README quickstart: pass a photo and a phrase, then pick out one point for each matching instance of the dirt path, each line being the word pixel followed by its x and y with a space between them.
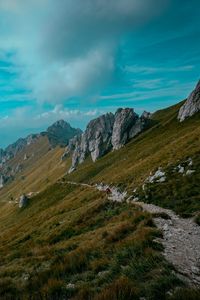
pixel 181 237
pixel 181 241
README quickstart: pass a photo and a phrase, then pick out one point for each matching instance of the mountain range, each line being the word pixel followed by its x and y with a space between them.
pixel 108 213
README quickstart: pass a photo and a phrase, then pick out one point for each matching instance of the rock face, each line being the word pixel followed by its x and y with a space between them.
pixel 23 201
pixel 191 106
pixel 125 120
pixel 107 132
pixel 61 132
pixel 95 141
pixel 2 181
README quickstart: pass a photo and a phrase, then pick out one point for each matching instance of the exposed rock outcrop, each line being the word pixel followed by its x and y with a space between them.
pixel 2 181
pixel 105 133
pixel 23 201
pixel 70 147
pixel 191 106
pixel 125 120
pixel 95 141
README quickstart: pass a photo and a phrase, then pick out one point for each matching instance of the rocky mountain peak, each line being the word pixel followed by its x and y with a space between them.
pixel 105 133
pixel 95 141
pixel 124 121
pixel 192 104
pixel 60 133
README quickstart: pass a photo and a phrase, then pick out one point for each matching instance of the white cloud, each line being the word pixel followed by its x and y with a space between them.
pixel 170 90
pixel 151 70
pixel 21 116
pixel 66 48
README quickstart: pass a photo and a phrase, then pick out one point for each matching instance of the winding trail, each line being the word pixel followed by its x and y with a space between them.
pixel 181 237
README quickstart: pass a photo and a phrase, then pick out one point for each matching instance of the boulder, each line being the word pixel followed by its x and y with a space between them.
pixel 191 106
pixel 23 201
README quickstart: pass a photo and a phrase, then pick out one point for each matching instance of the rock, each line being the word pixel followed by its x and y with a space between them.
pixel 159 176
pixel 191 106
pixel 13 149
pixel 105 133
pixel 70 147
pixel 180 169
pixel 95 141
pixel 2 181
pixel 189 172
pixel 70 286
pixel 127 125
pixel 125 120
pixel 146 115
pixel 190 162
pixel 23 201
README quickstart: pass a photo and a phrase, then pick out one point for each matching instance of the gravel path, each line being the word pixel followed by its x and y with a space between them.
pixel 181 237
pixel 181 241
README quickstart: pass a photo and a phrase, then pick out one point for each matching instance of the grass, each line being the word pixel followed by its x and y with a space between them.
pixel 71 242
pixel 179 192
pixel 166 144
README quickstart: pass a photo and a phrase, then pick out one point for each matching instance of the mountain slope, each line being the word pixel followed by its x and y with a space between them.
pixel 73 242
pixel 60 133
pixel 29 164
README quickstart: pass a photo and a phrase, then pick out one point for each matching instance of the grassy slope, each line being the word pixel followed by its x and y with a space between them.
pixel 72 235
pixel 166 144
pixel 39 171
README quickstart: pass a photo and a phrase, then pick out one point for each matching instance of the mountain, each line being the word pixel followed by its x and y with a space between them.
pixel 60 133
pixel 119 227
pixel 20 156
pixel 107 132
pixel 191 105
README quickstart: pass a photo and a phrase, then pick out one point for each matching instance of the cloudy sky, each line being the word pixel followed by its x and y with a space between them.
pixel 75 59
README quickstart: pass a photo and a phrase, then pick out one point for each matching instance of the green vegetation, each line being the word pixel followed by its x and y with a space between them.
pixel 179 192
pixel 70 242
pixel 166 144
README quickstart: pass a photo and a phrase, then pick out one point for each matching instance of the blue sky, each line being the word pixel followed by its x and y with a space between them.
pixel 78 59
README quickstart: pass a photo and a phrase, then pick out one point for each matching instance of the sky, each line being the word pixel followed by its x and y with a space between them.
pixel 75 59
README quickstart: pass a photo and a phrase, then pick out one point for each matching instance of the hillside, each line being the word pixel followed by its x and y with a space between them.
pixel 30 164
pixel 72 242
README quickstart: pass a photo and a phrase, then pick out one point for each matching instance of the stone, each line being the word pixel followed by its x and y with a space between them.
pixel 2 181
pixel 23 201
pixel 180 169
pixel 125 120
pixel 159 176
pixel 105 133
pixel 189 172
pixel 95 141
pixel 191 106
